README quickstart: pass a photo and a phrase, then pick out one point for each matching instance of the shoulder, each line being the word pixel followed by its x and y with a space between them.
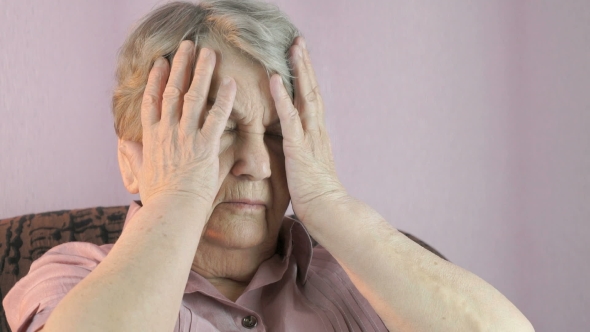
pixel 51 277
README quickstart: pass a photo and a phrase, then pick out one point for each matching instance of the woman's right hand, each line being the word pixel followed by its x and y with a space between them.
pixel 180 151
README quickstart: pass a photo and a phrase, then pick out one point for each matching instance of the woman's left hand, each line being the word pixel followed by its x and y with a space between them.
pixel 311 174
pixel 317 194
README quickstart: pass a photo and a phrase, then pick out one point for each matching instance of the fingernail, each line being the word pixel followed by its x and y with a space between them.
pixel 205 53
pixel 279 78
pixel 296 54
pixel 161 61
pixel 226 80
pixel 299 53
pixel 186 45
pixel 302 42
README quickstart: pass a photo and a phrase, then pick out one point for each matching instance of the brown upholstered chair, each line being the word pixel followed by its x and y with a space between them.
pixel 26 238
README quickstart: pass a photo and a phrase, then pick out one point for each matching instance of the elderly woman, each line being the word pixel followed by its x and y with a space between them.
pixel 220 125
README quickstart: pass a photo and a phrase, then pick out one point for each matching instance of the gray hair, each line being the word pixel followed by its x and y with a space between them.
pixel 255 29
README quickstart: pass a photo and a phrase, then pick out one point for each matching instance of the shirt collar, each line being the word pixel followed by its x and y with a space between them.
pixel 294 240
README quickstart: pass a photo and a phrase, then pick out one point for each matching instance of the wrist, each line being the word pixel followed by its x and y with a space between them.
pixel 180 207
pixel 325 208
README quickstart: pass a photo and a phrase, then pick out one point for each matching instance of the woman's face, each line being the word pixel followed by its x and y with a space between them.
pixel 251 160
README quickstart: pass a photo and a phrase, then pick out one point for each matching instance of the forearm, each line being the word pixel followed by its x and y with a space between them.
pixel 140 284
pixel 410 288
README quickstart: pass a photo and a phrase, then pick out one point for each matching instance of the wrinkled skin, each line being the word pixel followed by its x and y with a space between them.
pixel 270 149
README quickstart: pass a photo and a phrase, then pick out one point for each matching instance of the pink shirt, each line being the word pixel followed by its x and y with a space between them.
pixel 300 288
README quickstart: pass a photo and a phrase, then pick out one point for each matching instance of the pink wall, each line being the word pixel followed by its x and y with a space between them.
pixel 57 145
pixel 466 124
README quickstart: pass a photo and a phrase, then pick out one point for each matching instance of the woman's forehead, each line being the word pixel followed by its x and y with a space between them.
pixel 253 99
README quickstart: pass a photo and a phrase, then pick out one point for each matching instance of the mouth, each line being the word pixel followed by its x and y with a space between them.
pixel 245 204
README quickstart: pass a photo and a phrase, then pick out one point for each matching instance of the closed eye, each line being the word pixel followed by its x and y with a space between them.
pixel 275 132
pixel 233 130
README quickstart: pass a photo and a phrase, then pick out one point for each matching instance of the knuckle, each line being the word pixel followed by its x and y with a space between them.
pixel 312 95
pixel 293 113
pixel 285 97
pixel 157 71
pixel 194 97
pixel 307 61
pixel 149 100
pixel 172 92
pixel 204 137
pixel 222 102
pixel 216 112
pixel 201 71
pixel 182 57
pixel 155 76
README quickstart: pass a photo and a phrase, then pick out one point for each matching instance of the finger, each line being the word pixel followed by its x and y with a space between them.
pixel 301 42
pixel 306 96
pixel 288 114
pixel 152 100
pixel 216 120
pixel 177 82
pixel 195 99
pixel 313 80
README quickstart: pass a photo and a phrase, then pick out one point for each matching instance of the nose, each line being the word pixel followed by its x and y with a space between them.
pixel 252 158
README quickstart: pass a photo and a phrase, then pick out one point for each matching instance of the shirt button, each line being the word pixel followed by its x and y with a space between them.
pixel 249 322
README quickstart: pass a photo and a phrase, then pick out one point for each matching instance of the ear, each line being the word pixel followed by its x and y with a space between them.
pixel 130 155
